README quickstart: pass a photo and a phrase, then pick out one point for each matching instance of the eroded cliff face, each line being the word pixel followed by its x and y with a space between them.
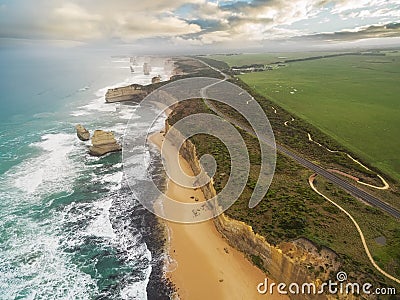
pixel 298 261
pixel 133 92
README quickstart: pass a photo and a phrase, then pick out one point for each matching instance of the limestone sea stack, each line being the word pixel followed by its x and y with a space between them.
pixel 103 142
pixel 156 79
pixel 82 133
pixel 133 92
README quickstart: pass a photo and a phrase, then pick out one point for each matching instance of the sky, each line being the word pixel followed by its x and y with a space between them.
pixel 168 25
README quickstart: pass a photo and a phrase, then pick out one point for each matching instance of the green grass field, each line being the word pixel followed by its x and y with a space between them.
pixel 263 58
pixel 354 99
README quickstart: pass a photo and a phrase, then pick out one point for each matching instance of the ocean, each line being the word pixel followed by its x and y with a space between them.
pixel 69 225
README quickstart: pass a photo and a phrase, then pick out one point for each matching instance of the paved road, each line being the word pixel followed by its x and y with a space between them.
pixel 348 187
pixel 341 183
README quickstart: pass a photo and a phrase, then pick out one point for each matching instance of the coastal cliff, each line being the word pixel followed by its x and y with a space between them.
pixel 134 92
pixel 288 262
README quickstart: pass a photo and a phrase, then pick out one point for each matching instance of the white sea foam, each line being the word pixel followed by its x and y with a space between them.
pixel 120 235
pixel 128 113
pixel 136 290
pixel 137 77
pixel 139 253
pixel 99 104
pixel 159 123
pixel 115 180
pixel 31 256
pixel 50 170
pixel 34 262
pixel 79 113
pixel 34 265
pixel 119 129
pixel 121 61
pixel 101 226
pixel 43 115
pixel 85 88
pixel 136 166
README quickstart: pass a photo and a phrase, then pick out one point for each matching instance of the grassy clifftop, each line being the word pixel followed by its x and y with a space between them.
pixel 291 209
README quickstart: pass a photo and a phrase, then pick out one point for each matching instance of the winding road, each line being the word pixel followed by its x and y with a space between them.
pixel 362 237
pixel 385 184
pixel 320 171
pixel 346 186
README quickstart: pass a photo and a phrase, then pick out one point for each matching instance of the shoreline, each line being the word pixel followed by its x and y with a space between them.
pixel 201 263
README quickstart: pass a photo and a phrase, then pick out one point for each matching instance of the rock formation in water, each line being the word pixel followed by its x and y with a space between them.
pixel 82 133
pixel 156 79
pixel 146 68
pixel 103 142
pixel 134 92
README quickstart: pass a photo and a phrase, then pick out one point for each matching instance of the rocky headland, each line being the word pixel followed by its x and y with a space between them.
pixel 134 92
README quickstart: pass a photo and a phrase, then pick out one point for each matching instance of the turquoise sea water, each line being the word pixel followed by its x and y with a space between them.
pixel 69 226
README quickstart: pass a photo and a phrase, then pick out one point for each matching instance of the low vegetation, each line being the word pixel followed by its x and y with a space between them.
pixel 352 99
pixel 291 209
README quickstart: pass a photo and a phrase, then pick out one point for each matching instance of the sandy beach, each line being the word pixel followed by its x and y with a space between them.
pixel 203 265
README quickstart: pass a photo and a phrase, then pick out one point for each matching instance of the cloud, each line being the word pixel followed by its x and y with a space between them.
pixel 215 37
pixel 377 13
pixel 128 21
pixel 342 6
pixel 95 20
pixel 184 42
pixel 367 9
pixel 366 32
pixel 250 21
pixel 72 21
pixel 74 12
pixel 133 27
pixel 195 22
